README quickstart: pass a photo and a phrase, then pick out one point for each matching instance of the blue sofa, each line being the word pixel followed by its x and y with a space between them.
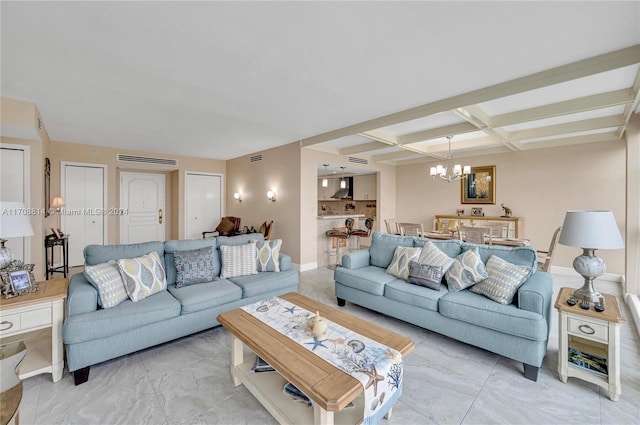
pixel 92 335
pixel 518 331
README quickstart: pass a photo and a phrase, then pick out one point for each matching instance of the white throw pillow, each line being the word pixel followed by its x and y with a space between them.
pixel 238 260
pixel 143 276
pixel 433 256
pixel 107 280
pixel 402 256
pixel 503 281
pixel 268 255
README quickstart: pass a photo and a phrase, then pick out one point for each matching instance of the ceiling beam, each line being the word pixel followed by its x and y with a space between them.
pixel 568 128
pixel 628 110
pixel 609 136
pixel 393 155
pixel 583 68
pixel 365 147
pixel 380 136
pixel 435 133
pixel 476 116
pixel 582 104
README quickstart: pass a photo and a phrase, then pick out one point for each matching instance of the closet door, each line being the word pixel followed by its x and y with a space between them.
pixel 203 203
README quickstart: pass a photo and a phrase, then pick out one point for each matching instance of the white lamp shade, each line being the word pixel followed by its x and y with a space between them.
pixel 591 230
pixel 57 202
pixel 14 220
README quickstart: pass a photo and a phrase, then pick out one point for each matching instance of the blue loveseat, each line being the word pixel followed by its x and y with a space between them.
pixel 92 334
pixel 518 331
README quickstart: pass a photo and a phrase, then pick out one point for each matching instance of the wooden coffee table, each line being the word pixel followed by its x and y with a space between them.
pixel 330 389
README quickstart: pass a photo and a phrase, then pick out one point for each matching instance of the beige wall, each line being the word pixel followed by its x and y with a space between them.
pixel 539 185
pixel 279 171
pixel 632 236
pixel 174 218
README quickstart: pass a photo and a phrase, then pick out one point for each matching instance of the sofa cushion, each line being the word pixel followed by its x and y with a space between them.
pixel 478 310
pixel 369 279
pixel 451 247
pixel 414 295
pixel 238 260
pixel 206 295
pixel 239 239
pixel 519 255
pixel 425 275
pixel 503 281
pixel 268 253
pixel 107 280
pixel 187 245
pixel 195 266
pixel 402 256
pixel 467 269
pixel 264 282
pixel 383 246
pixel 434 256
pixel 126 317
pixel 96 254
pixel 143 276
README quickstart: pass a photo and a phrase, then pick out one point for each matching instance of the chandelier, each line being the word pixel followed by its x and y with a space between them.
pixel 457 173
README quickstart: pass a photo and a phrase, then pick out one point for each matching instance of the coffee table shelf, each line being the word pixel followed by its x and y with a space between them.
pixel 266 387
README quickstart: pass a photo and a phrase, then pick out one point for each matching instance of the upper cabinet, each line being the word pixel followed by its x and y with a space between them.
pixel 365 187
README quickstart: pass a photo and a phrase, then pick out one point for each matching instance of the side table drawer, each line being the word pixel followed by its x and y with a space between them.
pixel 588 329
pixel 25 320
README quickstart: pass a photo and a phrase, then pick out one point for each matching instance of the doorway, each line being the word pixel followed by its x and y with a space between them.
pixel 142 203
pixel 203 203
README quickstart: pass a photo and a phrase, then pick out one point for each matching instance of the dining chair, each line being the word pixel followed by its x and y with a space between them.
pixel 545 257
pixel 475 234
pixel 411 229
pixel 392 226
pixel 497 229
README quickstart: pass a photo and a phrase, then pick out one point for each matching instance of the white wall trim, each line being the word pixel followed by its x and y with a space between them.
pixel 633 302
pixel 26 190
pixel 304 267
pixel 567 271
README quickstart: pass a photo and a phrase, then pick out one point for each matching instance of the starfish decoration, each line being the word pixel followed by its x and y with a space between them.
pixel 374 378
pixel 317 343
pixel 290 309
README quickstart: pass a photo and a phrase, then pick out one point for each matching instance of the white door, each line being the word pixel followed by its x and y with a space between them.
pixel 13 169
pixel 84 213
pixel 142 204
pixel 203 203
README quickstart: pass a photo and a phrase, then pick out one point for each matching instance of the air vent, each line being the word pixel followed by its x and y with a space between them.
pixel 147 159
pixel 360 161
pixel 255 158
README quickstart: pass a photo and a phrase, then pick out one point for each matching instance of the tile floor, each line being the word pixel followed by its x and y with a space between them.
pixel 187 381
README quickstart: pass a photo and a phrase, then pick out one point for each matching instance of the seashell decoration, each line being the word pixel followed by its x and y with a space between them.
pixel 356 345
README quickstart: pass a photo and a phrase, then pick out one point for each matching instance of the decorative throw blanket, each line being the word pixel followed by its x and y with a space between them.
pixel 376 366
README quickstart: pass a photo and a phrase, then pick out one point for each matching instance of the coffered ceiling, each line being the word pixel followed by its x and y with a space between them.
pixel 383 81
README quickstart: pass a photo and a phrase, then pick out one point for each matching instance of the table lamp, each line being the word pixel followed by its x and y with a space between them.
pixel 590 230
pixel 14 223
pixel 57 203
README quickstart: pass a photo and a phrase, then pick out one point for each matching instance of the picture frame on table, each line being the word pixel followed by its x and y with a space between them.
pixel 17 279
pixel 477 212
pixel 480 186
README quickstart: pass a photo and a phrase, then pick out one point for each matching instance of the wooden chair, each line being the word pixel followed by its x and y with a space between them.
pixel 228 226
pixel 11 356
pixel 475 234
pixel 392 226
pixel 267 230
pixel 545 257
pixel 411 229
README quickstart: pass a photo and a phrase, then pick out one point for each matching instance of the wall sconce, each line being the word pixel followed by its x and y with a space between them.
pixel 271 195
pixel 237 196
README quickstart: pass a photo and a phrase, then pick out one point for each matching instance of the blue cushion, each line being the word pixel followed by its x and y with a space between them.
pixel 265 282
pixel 371 279
pixel 419 296
pixel 451 247
pixel 205 295
pixel 519 255
pixel 383 245
pixel 96 254
pixel 187 245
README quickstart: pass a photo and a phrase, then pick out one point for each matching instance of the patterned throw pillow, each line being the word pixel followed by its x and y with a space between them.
pixel 433 256
pixel 467 269
pixel 143 276
pixel 399 266
pixel 194 266
pixel 238 260
pixel 425 275
pixel 107 280
pixel 268 255
pixel 503 281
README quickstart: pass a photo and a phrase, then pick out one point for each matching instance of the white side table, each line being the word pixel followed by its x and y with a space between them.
pixel 593 334
pixel 37 319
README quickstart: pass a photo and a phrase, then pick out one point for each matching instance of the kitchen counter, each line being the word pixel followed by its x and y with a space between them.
pixel 332 217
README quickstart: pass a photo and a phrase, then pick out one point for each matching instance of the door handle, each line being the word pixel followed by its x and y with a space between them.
pixel 160 216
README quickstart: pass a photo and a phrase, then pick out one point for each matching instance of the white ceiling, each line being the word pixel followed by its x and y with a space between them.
pixel 225 79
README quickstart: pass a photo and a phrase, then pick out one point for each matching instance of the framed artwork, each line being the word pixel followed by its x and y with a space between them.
pixel 47 187
pixel 17 279
pixel 480 186
pixel 476 212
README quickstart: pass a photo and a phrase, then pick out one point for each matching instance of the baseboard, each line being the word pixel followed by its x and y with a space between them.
pixel 304 267
pixel 567 271
pixel 634 307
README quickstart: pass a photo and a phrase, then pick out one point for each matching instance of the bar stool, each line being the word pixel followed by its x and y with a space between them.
pixel 368 223
pixel 337 236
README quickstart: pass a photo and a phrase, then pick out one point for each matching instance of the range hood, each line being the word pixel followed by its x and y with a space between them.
pixel 346 192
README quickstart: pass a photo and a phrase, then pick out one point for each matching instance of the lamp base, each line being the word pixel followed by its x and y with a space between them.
pixel 588 266
pixel 587 292
pixel 6 255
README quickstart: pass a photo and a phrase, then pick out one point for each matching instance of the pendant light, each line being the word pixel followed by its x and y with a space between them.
pixel 343 182
pixel 325 180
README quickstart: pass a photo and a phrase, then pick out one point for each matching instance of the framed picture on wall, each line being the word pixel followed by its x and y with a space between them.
pixel 480 186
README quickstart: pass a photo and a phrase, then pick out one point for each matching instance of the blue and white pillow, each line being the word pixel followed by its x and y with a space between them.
pixel 467 270
pixel 402 256
pixel 433 256
pixel 195 266
pixel 268 255
pixel 503 281
pixel 106 278
pixel 143 276
pixel 238 260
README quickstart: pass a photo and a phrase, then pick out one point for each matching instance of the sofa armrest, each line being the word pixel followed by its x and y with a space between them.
pixel 82 296
pixel 285 262
pixel 536 295
pixel 356 259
